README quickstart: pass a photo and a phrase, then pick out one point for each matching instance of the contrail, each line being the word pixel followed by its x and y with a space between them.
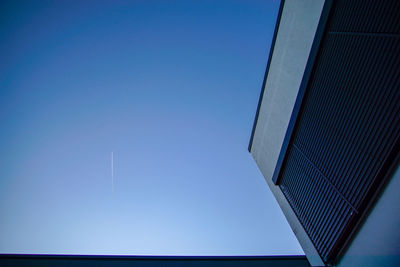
pixel 112 170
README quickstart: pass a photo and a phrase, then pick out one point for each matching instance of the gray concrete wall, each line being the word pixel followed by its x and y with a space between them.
pixel 377 243
pixel 295 36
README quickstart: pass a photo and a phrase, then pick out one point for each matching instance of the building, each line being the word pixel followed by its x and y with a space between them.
pixel 327 130
pixel 20 260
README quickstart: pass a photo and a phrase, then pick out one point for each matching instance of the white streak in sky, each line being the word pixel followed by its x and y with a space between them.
pixel 112 170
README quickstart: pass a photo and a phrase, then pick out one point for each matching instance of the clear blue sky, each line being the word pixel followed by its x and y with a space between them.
pixel 171 88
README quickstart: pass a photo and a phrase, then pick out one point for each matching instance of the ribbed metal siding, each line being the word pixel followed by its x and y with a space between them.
pixel 366 16
pixel 348 123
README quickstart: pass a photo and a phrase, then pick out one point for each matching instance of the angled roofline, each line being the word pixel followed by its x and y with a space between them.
pixel 326 11
pixel 271 50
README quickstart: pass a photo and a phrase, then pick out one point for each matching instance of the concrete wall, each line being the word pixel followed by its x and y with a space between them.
pixel 377 243
pixel 299 21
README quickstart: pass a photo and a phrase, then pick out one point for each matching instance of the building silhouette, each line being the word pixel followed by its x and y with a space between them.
pixel 327 130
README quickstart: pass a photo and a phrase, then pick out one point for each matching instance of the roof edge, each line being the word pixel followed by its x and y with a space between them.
pixel 271 50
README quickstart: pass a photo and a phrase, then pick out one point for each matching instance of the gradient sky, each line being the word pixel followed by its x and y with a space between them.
pixel 171 88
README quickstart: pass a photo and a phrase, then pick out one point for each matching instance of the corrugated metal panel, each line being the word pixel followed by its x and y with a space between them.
pixel 348 123
pixel 367 16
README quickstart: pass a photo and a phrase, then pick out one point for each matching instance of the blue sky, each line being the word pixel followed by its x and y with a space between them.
pixel 171 88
